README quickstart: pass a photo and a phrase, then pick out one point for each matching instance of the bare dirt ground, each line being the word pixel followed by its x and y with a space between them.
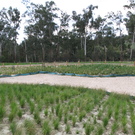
pixel 124 85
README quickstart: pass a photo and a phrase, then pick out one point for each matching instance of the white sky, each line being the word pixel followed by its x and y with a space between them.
pixel 70 5
pixel 104 6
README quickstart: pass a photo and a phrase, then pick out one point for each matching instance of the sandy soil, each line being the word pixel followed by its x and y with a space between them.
pixel 124 85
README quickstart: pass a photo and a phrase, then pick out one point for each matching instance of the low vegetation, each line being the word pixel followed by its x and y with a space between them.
pixel 92 69
pixel 48 110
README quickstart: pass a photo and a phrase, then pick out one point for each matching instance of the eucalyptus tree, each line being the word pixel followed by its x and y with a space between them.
pixel 98 26
pixel 42 25
pixel 2 35
pixel 83 24
pixel 130 24
pixel 11 20
pixel 88 21
pixel 78 25
pixel 63 34
pixel 117 20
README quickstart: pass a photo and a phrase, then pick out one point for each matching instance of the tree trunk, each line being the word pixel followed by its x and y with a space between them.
pixel 121 50
pixel 0 49
pixel 15 52
pixel 85 46
pixel 133 40
pixel 43 53
pixel 81 42
pixel 26 57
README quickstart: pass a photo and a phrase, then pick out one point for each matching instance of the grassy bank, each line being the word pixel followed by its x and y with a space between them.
pixel 47 110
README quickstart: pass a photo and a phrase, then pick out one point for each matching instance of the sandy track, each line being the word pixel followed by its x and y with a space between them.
pixel 124 85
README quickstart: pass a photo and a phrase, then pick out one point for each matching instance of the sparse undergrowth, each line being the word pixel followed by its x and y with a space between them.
pixel 48 110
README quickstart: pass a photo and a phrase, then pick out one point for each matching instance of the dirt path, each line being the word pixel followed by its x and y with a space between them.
pixel 125 85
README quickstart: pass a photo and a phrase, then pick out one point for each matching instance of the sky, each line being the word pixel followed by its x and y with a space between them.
pixel 104 6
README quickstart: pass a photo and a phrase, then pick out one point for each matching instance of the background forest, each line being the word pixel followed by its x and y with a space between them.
pixel 54 35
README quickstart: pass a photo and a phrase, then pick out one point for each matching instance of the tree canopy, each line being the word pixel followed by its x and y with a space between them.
pixel 54 35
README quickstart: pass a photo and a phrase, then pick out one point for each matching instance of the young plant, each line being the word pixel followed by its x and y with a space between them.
pixel 13 127
pixel 30 127
pixel 37 117
pixel 87 129
pixel 46 112
pixel 114 127
pixel 60 114
pixel 74 121
pixel 109 113
pixel 100 130
pixel 56 124
pixel 82 115
pixel 65 119
pixel 22 102
pixel 99 115
pixel 46 129
pixel 57 109
pixel 11 116
pixel 67 128
pixel 2 112
pixel 32 107
pixel 105 121
pixel 19 113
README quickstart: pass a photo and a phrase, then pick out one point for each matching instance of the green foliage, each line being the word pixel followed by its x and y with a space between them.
pixel 13 127
pixel 46 128
pixel 56 124
pixel 20 113
pixel 11 116
pixel 2 112
pixel 46 112
pixel 74 121
pixel 67 128
pixel 100 130
pixel 88 129
pixel 30 127
pixel 92 69
pixel 105 121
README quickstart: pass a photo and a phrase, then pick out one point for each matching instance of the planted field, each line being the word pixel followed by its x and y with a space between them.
pixel 59 110
pixel 94 69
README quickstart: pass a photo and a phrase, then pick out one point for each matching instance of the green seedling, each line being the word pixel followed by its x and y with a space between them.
pixel 22 103
pixel 56 124
pixel 105 121
pixel 46 112
pixel 13 127
pixel 67 128
pixel 11 116
pixel 99 130
pixel 74 121
pixel 46 128
pixel 114 128
pixel 30 127
pixel 20 113
pixel 87 129
pixel 2 112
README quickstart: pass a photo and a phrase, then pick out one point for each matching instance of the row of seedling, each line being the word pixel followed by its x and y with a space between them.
pixel 64 109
